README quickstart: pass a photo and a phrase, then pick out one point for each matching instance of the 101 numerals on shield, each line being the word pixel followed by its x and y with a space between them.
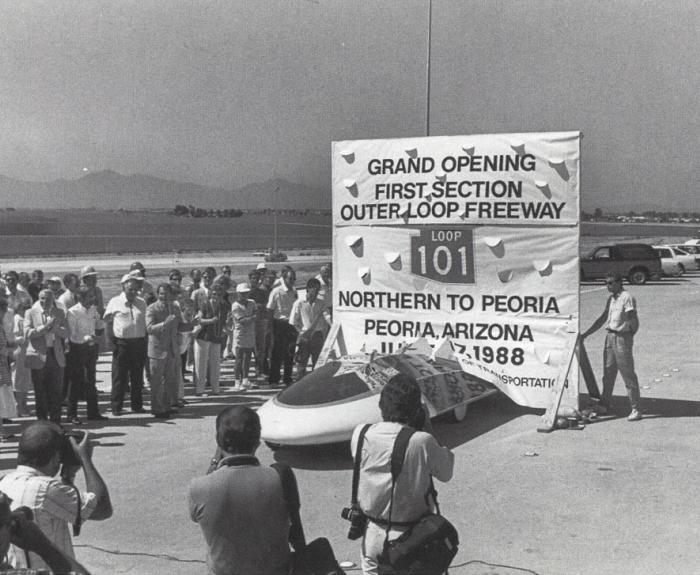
pixel 444 255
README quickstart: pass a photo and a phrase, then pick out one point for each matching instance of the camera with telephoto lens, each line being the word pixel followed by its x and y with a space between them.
pixel 358 521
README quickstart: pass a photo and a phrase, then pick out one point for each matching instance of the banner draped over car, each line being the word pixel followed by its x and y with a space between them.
pixel 472 238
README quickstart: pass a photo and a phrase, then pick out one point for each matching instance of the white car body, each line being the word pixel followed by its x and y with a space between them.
pixel 327 404
pixel 692 249
pixel 671 262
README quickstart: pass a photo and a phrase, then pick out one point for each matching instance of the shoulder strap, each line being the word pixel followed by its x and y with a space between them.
pixel 358 457
pixel 398 453
pixel 290 491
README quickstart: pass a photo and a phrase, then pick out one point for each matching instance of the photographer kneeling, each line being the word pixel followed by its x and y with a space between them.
pixel 400 404
pixel 43 451
pixel 247 519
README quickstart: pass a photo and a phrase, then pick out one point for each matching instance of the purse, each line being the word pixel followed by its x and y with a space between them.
pixel 426 548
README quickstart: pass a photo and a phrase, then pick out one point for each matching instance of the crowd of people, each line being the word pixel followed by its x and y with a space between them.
pixel 52 331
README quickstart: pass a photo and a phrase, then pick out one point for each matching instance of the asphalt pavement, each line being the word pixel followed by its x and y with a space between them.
pixel 617 497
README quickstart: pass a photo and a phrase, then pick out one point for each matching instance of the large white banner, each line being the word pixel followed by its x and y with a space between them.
pixel 474 238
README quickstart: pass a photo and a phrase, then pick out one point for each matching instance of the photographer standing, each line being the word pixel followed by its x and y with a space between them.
pixel 43 450
pixel 400 404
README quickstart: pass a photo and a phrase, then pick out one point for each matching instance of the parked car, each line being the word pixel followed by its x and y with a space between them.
pixel 637 262
pixel 692 249
pixel 669 262
pixel 684 259
pixel 275 256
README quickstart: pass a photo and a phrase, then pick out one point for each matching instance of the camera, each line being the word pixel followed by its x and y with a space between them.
pixel 68 457
pixel 358 521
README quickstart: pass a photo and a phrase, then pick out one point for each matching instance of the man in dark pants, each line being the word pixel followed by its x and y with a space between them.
pixel 81 363
pixel 621 323
pixel 125 317
pixel 284 335
pixel 45 327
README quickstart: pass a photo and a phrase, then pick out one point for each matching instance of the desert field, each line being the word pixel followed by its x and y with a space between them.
pixel 64 233
pixel 70 232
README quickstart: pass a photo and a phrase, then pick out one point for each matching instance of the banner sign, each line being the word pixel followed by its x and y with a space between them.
pixel 472 238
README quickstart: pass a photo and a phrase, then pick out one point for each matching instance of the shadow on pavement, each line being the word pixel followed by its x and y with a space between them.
pixel 482 417
pixel 652 408
pixel 328 457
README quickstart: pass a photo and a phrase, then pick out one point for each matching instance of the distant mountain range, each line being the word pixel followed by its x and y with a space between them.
pixel 110 190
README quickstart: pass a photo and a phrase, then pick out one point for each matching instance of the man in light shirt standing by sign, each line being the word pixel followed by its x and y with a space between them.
pixel 125 316
pixel 620 315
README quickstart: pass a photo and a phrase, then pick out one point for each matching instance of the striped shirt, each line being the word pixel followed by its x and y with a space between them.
pixel 54 504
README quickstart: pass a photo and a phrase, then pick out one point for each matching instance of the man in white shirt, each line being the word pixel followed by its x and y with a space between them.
pixel 284 335
pixel 55 503
pixel 81 362
pixel 310 318
pixel 622 322
pixel 125 316
pixel 400 404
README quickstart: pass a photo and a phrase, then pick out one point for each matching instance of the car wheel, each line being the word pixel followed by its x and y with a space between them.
pixel 638 277
pixel 459 413
pixel 682 268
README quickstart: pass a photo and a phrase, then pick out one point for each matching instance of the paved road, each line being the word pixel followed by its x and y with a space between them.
pixel 617 497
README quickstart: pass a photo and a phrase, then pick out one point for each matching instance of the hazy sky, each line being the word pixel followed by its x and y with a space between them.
pixel 232 92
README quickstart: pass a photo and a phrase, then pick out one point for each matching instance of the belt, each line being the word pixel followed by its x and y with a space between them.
pixel 385 522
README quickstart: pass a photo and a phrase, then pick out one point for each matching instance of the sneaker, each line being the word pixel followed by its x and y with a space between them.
pixel 246 383
pixel 635 415
pixel 237 388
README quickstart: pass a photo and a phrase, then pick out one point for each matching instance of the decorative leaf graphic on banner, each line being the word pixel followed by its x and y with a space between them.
pixel 543 266
pixel 348 155
pixel 412 153
pixel 496 245
pixel 394 260
pixel 469 150
pixel 543 355
pixel 560 168
pixel 518 146
pixel 543 187
pixel 351 186
pixel 365 274
pixel 505 276
pixel 356 244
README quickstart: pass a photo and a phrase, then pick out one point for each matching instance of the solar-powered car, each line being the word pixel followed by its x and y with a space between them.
pixel 326 405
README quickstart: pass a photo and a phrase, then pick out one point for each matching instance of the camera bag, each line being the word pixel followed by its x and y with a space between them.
pixel 428 547
pixel 317 557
